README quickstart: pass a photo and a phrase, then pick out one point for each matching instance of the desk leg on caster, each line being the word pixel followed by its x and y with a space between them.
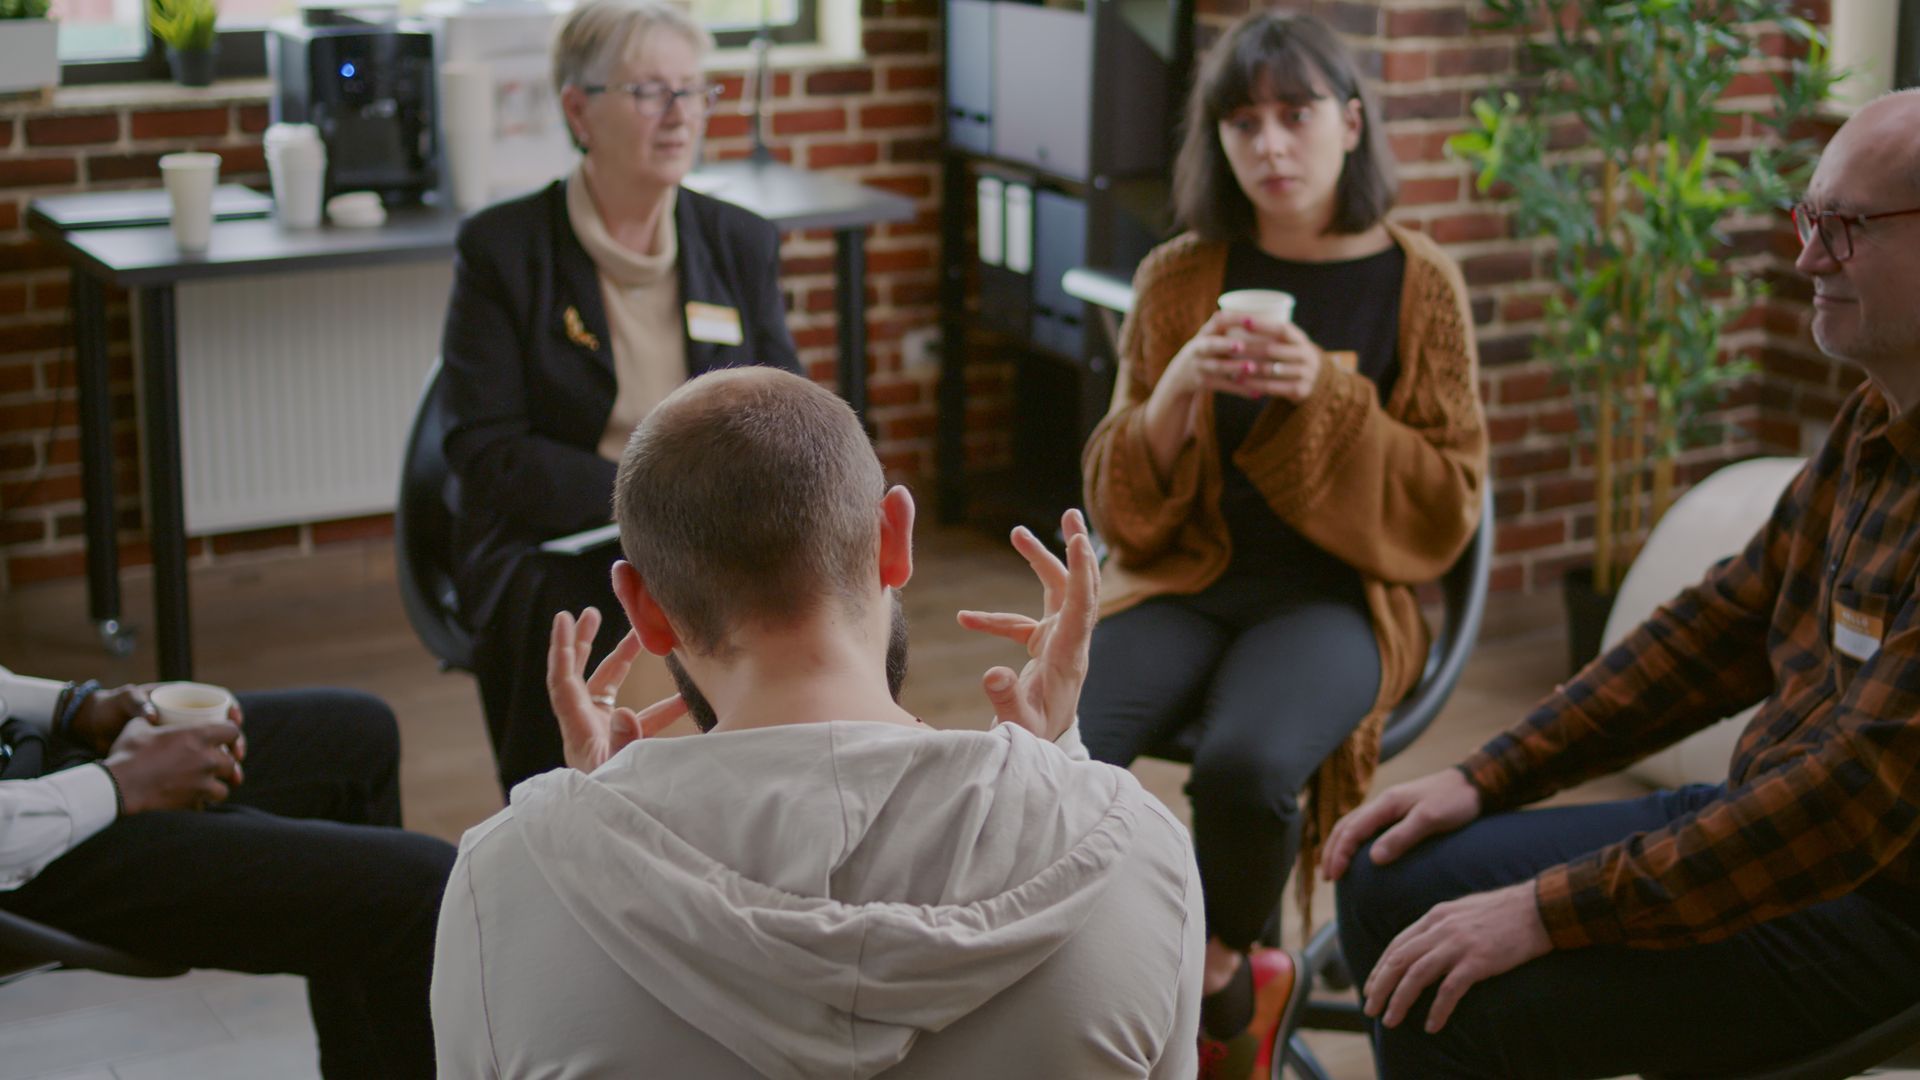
pixel 91 379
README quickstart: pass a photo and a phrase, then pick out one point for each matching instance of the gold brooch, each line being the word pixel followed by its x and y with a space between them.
pixel 577 331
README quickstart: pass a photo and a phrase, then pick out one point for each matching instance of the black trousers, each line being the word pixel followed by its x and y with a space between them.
pixel 1278 673
pixel 510 654
pixel 303 871
pixel 1759 998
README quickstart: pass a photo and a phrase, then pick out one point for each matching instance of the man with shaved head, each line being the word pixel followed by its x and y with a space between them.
pixel 818 884
pixel 1721 928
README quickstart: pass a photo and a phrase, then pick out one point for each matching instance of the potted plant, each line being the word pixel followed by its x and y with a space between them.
pixel 186 27
pixel 1637 211
pixel 29 46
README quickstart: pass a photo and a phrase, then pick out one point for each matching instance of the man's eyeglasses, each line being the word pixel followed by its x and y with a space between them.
pixel 1835 227
pixel 655 98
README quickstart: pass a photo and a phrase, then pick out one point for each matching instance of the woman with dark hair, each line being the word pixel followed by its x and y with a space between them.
pixel 1272 489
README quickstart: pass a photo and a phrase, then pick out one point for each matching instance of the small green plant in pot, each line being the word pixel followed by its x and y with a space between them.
pixel 186 27
pixel 1638 211
pixel 29 47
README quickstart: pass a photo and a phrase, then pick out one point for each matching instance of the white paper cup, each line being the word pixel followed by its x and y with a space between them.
pixel 187 704
pixel 190 178
pixel 298 170
pixel 1263 303
pixel 467 128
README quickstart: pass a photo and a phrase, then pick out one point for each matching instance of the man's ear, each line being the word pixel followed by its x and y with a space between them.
pixel 896 538
pixel 656 633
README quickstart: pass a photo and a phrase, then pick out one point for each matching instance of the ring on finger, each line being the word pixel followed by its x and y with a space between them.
pixel 605 701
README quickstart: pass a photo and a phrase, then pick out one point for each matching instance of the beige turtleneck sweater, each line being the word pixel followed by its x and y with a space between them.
pixel 641 292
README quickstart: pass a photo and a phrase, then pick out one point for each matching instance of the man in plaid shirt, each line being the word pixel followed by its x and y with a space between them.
pixel 1719 927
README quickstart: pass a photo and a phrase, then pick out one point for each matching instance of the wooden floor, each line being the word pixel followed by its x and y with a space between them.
pixel 335 619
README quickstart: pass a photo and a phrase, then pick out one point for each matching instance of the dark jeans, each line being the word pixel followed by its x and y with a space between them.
pixel 510 655
pixel 1278 673
pixel 303 871
pixel 1765 995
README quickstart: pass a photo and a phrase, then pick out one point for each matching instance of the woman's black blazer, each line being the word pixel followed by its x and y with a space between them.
pixel 529 387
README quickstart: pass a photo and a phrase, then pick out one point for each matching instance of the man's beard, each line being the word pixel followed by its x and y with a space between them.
pixel 701 710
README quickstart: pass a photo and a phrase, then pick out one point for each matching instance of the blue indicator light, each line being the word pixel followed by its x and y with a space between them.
pixel 347 70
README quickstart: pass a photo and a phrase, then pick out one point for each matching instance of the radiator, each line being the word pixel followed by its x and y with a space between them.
pixel 297 390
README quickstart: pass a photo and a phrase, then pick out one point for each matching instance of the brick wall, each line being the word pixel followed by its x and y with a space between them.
pixel 877 120
pixel 1429 64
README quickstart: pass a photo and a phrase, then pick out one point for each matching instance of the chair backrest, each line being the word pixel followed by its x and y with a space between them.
pixel 1464 596
pixel 423 533
pixel 28 947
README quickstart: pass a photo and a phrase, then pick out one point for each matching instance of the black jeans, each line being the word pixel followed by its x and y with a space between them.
pixel 1765 995
pixel 510 655
pixel 1278 673
pixel 303 871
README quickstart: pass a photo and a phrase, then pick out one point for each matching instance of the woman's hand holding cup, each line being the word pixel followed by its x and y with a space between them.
pixel 1278 360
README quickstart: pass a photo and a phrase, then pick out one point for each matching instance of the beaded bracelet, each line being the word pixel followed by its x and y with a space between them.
pixel 67 709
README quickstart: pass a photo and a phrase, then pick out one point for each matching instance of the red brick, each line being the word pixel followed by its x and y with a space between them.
pixel 1558 422
pixel 732 87
pixel 50 295
pixel 1465 228
pixel 833 155
pixel 253 119
pixel 1497 267
pixel 897 116
pixel 728 125
pixel 73 130
pixel 1544 459
pixel 886 394
pixel 793 266
pixel 16 378
pixel 1560 492
pixel 815 337
pixel 13 298
pixel 256 540
pixel 887 262
pixel 913 187
pixel 23 531
pixel 6 132
pixel 1425 105
pixel 906 293
pixel 372 527
pixel 41 491
pixel 106 168
pixel 1530 536
pixel 1521 387
pixel 1506 349
pixel 913 77
pixel 1418 146
pixel 1749 84
pixel 1429 190
pixel 180 123
pixel 849 81
pixel 1507 578
pixel 1484 60
pixel 1411 66
pixel 38 172
pixel 1518 309
pixel 1448 21
pixel 1505 429
pixel 244 160
pixel 877 42
pixel 33 569
pixel 29 337
pixel 9 215
pixel 810 120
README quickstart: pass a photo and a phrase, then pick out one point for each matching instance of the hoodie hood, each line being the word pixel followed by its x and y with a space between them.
pixel 815 896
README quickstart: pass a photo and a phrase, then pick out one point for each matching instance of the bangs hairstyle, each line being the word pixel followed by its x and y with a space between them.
pixel 749 495
pixel 1298 59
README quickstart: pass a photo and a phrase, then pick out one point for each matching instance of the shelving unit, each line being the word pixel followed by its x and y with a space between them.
pixel 1060 132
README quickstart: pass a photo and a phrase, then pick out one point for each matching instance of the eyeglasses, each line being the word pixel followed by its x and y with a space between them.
pixel 1807 221
pixel 655 98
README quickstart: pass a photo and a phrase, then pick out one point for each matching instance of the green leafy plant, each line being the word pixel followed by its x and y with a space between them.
pixel 23 9
pixel 1636 207
pixel 184 24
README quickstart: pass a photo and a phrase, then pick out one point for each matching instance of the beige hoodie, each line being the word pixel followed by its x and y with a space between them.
pixel 824 900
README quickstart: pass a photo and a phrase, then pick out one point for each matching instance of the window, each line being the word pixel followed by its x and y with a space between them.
pixel 107 40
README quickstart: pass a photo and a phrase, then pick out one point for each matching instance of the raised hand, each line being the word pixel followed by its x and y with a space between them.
pixel 592 727
pixel 1045 696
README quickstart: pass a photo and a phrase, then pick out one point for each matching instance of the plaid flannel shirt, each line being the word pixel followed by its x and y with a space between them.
pixel 1823 793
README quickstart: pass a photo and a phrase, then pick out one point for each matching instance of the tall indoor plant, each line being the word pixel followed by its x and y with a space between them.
pixel 29 46
pixel 1638 210
pixel 186 28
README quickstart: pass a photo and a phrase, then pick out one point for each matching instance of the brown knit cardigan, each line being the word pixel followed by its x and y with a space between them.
pixel 1394 491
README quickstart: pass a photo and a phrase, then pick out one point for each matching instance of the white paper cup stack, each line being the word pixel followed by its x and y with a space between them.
pixel 297 165
pixel 466 128
pixel 190 178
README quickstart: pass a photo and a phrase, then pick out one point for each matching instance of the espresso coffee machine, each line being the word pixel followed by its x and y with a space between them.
pixel 365 79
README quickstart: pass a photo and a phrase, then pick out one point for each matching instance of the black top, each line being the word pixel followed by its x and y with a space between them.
pixel 529 389
pixel 1351 306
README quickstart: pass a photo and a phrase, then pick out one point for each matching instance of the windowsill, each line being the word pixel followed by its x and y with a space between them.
pixel 106 97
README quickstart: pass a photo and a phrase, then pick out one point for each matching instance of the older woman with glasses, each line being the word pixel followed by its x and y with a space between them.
pixel 575 309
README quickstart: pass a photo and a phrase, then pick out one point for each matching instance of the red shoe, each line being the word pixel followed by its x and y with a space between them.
pixel 1279 989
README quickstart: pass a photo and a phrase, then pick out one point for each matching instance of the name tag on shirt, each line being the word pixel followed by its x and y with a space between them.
pixel 713 324
pixel 1857 633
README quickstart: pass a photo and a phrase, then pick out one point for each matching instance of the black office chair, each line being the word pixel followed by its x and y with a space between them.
pixel 423 534
pixel 29 948
pixel 1893 1043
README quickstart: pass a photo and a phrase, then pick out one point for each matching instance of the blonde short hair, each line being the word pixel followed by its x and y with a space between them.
pixel 597 33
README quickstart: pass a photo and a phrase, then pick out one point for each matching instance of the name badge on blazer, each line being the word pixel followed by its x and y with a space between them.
pixel 1857 632
pixel 713 324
